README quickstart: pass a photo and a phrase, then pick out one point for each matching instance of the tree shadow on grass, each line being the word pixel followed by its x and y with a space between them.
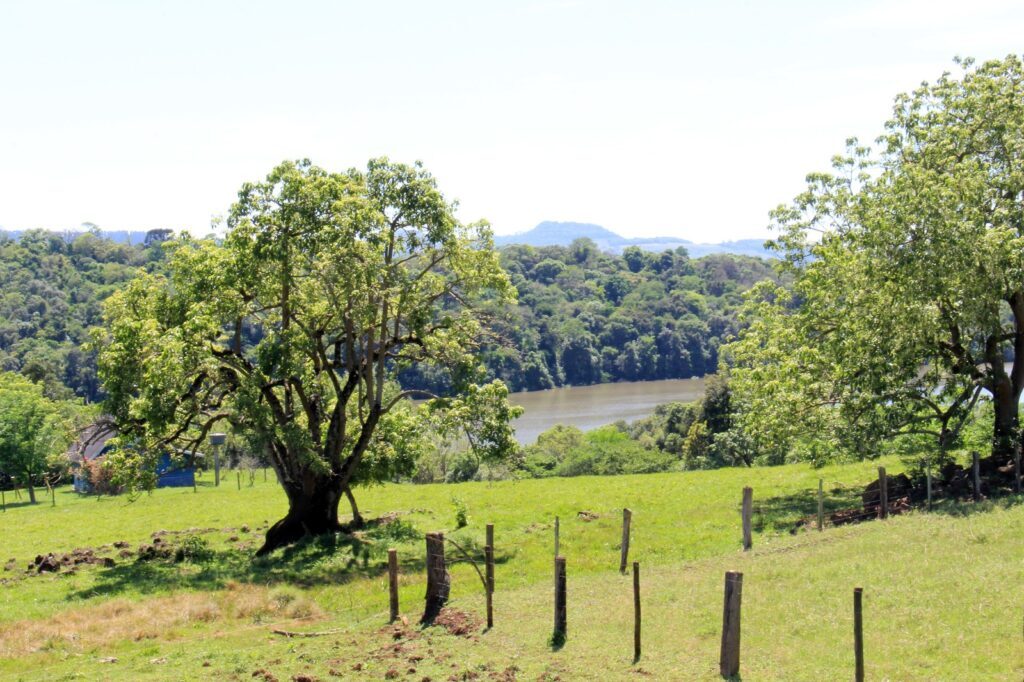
pixel 789 513
pixel 968 507
pixel 332 559
pixel 318 561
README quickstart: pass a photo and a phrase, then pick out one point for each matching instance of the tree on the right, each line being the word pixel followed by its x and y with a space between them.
pixel 907 299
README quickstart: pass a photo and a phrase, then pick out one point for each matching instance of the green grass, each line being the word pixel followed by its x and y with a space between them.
pixel 942 589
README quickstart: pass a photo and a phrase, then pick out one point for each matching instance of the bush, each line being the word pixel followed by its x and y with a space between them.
pixel 567 451
pixel 194 549
pixel 100 477
pixel 461 512
pixel 463 467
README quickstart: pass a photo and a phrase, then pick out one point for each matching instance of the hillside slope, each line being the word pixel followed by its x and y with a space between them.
pixel 941 598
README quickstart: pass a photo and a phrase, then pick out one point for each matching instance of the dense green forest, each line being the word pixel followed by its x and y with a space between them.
pixel 52 288
pixel 583 316
pixel 586 317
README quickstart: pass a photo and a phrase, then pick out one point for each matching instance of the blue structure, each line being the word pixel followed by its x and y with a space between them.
pixel 169 475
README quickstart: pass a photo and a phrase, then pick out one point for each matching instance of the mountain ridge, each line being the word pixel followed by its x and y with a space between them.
pixel 556 233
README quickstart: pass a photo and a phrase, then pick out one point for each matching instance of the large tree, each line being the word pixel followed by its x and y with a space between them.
pixel 909 280
pixel 294 327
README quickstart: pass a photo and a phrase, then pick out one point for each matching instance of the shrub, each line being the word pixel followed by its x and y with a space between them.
pixel 461 512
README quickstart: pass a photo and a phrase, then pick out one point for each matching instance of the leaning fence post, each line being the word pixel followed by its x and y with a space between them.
pixel 558 636
pixel 438 580
pixel 393 583
pixel 976 468
pixel 821 504
pixel 858 633
pixel 729 660
pixel 748 510
pixel 627 517
pixel 489 558
pixel 883 494
pixel 636 611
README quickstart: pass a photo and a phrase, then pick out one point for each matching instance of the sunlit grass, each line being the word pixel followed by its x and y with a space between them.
pixel 930 582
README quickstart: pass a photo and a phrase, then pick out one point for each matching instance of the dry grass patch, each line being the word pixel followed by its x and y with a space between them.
pixel 81 629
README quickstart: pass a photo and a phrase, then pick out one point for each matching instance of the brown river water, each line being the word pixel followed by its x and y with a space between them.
pixel 587 407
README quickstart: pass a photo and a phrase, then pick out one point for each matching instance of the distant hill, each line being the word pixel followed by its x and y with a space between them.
pixel 551 233
pixel 119 236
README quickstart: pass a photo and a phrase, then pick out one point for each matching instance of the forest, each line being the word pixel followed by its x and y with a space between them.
pixel 582 316
pixel 587 317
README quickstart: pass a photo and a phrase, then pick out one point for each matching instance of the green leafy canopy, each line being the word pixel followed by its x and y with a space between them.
pixel 909 281
pixel 296 325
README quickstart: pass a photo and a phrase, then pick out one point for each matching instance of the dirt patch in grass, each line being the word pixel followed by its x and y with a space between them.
pixel 458 622
pixel 120 619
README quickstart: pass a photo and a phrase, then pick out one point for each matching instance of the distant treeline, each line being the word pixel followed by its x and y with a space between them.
pixel 587 317
pixel 583 316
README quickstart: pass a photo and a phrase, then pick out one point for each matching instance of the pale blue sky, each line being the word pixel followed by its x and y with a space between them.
pixel 674 118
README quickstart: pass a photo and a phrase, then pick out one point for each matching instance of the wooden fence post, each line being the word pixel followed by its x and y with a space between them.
pixel 558 636
pixel 490 543
pixel 627 517
pixel 238 478
pixel 976 468
pixel 858 634
pixel 821 504
pixel 557 550
pixel 3 499
pixel 729 660
pixel 438 580
pixel 883 494
pixel 748 510
pixel 636 611
pixel 489 558
pixel 393 583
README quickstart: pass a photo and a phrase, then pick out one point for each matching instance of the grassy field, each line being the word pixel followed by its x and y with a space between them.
pixel 942 590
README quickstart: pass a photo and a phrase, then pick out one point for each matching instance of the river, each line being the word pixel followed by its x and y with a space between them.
pixel 587 407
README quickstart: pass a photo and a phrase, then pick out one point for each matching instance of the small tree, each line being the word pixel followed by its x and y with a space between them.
pixel 32 430
pixel 294 328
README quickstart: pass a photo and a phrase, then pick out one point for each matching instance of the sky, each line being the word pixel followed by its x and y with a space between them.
pixel 681 119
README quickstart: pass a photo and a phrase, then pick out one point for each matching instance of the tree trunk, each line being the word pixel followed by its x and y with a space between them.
pixel 1006 387
pixel 31 491
pixel 312 510
pixel 1004 429
pixel 357 518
